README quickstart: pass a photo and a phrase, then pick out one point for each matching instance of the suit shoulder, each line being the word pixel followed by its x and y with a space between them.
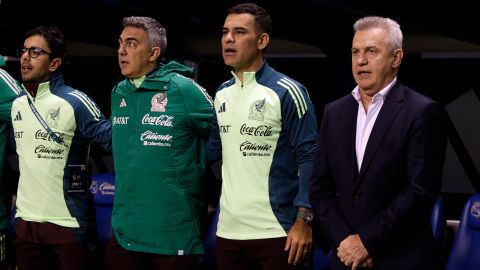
pixel 339 103
pixel 417 98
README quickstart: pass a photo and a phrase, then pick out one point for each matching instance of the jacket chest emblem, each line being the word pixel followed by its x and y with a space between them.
pixel 159 102
pixel 52 117
pixel 257 110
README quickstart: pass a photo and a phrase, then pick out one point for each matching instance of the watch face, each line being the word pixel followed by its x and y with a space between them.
pixel 308 216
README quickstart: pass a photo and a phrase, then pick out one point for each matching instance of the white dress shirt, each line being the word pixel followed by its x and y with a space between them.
pixel 366 120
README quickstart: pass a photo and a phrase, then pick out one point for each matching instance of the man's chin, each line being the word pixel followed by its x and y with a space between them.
pixel 27 80
pixel 125 73
pixel 228 62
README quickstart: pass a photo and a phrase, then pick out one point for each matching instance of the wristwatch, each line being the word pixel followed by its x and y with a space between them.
pixel 306 215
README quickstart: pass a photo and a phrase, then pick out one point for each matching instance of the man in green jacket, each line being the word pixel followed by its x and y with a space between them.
pixel 160 120
pixel 9 89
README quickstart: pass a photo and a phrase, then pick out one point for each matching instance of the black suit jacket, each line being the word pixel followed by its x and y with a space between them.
pixel 388 202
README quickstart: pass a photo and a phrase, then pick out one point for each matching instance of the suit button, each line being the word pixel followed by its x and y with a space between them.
pixel 356 197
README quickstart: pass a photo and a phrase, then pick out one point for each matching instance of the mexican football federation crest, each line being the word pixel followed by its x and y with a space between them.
pixel 257 109
pixel 52 117
pixel 159 102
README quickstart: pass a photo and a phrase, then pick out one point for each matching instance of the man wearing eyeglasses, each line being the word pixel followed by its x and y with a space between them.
pixel 53 127
pixel 9 89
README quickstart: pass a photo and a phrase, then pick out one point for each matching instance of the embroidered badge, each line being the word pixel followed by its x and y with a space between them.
pixel 52 117
pixel 159 102
pixel 123 103
pixel 257 109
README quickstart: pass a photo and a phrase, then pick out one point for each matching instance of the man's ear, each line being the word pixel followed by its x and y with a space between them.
pixel 154 54
pixel 397 58
pixel 262 41
pixel 55 64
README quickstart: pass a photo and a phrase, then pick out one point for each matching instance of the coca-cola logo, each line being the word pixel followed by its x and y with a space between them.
pixel 43 135
pixel 161 120
pixel 262 130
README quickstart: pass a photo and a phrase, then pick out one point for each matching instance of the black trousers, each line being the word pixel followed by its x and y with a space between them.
pixel 261 254
pixel 120 258
pixel 48 246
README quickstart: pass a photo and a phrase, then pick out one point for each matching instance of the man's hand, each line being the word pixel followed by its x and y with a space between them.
pixel 299 242
pixel 352 252
pixel 367 263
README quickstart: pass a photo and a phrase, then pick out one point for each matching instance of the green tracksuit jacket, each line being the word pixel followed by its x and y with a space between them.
pixel 159 131
pixel 9 89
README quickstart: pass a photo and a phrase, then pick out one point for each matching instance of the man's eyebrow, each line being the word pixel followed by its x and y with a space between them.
pixel 127 39
pixel 235 28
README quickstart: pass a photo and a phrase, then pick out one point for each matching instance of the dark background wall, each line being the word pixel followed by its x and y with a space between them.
pixel 441 42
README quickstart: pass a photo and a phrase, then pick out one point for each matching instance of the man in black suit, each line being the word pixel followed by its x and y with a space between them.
pixel 379 164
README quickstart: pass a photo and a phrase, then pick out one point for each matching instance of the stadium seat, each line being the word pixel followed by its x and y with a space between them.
pixel 465 252
pixel 321 260
pixel 439 224
pixel 103 189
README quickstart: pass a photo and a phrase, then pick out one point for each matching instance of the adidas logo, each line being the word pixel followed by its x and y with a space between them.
pixel 18 117
pixel 123 103
pixel 222 108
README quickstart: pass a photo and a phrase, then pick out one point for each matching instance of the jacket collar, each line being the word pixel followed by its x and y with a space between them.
pixel 252 77
pixel 51 85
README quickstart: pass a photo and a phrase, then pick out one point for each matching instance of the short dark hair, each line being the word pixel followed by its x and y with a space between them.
pixel 263 22
pixel 54 38
pixel 157 35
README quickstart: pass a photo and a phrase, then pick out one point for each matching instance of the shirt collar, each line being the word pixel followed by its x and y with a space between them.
pixel 138 81
pixel 382 93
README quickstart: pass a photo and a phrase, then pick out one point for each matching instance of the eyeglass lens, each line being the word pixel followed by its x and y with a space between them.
pixel 33 52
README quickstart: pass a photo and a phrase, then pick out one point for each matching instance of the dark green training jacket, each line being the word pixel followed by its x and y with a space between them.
pixel 159 131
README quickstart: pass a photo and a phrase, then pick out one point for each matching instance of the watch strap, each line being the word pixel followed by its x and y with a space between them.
pixel 306 215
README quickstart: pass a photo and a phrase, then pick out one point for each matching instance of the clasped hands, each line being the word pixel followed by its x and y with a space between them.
pixel 352 252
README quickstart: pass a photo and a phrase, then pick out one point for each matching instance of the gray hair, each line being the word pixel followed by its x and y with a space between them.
pixel 157 35
pixel 394 37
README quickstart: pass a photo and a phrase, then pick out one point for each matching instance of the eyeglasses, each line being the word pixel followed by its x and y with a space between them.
pixel 33 52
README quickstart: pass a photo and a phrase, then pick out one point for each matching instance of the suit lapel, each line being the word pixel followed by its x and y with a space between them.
pixel 351 129
pixel 393 104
